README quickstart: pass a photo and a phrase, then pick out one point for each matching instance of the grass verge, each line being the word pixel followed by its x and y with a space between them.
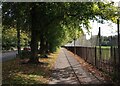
pixel 13 72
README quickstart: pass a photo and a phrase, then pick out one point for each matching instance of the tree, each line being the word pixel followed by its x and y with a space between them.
pixel 14 16
pixel 50 23
pixel 9 38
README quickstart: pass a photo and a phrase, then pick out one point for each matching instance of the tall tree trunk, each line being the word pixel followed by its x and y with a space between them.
pixel 47 47
pixel 18 31
pixel 34 47
pixel 34 34
pixel 18 40
pixel 42 45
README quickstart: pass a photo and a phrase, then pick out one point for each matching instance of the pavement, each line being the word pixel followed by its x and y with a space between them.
pixel 68 70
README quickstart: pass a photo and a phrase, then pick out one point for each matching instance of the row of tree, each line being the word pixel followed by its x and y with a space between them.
pixel 109 41
pixel 53 24
pixel 9 39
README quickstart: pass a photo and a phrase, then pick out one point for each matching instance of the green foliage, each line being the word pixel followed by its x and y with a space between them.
pixel 24 38
pixel 55 24
pixel 9 38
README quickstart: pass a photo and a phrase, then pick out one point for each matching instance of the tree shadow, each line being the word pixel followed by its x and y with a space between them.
pixel 16 73
pixel 63 76
pixel 67 76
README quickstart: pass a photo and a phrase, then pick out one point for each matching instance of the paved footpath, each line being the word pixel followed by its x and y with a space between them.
pixel 68 70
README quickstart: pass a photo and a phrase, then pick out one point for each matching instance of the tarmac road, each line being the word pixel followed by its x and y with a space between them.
pixel 8 56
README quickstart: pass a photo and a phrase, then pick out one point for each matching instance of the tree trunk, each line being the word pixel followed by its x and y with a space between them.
pixel 47 47
pixel 34 47
pixel 34 34
pixel 18 40
pixel 18 31
pixel 42 45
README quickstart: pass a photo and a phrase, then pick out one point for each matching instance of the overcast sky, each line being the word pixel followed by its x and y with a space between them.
pixel 107 29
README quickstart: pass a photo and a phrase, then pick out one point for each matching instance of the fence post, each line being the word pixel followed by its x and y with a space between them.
pixel 111 56
pixel 74 47
pixel 118 47
pixel 115 69
pixel 95 56
pixel 99 46
pixel 86 54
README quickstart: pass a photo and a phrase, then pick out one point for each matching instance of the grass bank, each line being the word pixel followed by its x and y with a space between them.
pixel 13 72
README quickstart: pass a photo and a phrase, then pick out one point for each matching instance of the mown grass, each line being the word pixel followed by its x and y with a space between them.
pixel 105 52
pixel 104 47
pixel 13 72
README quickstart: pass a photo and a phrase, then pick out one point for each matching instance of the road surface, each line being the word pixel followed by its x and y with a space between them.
pixel 8 55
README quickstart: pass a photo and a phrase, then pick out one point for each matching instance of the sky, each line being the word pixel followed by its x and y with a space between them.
pixel 115 0
pixel 107 29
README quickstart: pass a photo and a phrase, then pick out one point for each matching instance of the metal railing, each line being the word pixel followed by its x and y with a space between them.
pixel 107 61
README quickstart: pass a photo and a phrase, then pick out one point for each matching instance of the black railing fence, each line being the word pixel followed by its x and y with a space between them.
pixel 105 55
pixel 106 62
